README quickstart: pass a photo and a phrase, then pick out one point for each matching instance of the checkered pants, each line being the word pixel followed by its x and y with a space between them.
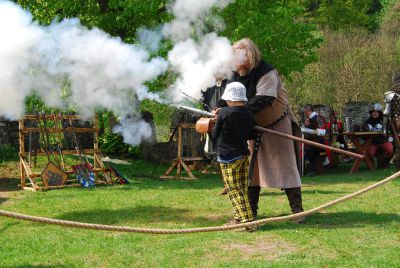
pixel 236 179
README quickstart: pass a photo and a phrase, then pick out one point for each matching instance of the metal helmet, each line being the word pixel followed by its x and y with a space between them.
pixel 376 107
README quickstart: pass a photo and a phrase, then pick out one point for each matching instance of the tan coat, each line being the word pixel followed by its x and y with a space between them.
pixel 277 159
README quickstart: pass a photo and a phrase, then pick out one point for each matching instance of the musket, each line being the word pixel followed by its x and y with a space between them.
pixel 276 133
pixel 194 110
pixel 196 100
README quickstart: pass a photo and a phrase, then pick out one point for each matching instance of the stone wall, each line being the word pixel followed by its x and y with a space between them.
pixel 8 132
pixel 357 111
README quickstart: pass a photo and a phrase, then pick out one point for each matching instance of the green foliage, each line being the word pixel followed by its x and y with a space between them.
pixel 118 18
pixel 34 104
pixel 284 38
pixel 162 114
pixel 356 65
pixel 113 143
pixel 8 153
pixel 344 14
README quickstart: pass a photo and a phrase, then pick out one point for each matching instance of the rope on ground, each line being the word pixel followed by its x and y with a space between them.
pixel 194 230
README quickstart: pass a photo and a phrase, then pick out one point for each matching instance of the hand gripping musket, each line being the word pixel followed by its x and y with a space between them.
pixel 270 131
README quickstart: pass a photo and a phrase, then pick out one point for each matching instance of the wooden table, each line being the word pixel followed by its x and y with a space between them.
pixel 362 148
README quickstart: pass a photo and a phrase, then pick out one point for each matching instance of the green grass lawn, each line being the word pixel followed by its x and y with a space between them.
pixel 363 232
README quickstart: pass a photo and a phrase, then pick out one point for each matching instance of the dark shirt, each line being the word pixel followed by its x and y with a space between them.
pixel 256 102
pixel 211 98
pixel 375 125
pixel 233 128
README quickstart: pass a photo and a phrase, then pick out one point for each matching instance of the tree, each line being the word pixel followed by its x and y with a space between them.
pixel 118 18
pixel 285 39
pixel 344 14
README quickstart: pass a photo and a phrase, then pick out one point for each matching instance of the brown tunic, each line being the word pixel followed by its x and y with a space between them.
pixel 278 158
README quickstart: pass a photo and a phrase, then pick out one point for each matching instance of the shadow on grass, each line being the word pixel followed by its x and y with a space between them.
pixel 9 184
pixel 36 266
pixel 6 226
pixel 352 219
pixel 3 199
pixel 204 182
pixel 139 214
pixel 141 171
pixel 340 174
pixel 310 192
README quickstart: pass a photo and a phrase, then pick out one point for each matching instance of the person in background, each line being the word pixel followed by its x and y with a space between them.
pixel 269 102
pixel 233 128
pixel 392 114
pixel 375 124
pixel 211 100
pixel 211 97
pixel 313 130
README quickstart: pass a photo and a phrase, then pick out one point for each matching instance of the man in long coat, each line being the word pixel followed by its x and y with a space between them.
pixel 276 164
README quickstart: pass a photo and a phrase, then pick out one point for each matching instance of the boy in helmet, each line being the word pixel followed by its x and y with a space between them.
pixel 375 124
pixel 233 128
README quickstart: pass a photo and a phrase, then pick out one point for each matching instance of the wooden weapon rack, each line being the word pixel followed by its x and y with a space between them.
pixel 32 180
pixel 181 162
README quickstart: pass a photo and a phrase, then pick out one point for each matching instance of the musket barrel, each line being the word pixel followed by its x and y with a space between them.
pixel 194 111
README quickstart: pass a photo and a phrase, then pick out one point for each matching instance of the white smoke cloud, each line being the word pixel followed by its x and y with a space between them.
pixel 102 71
pixel 197 62
pixel 190 15
pixel 19 38
pixel 133 129
pixel 150 38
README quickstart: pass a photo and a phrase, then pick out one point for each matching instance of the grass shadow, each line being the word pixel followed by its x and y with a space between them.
pixel 353 219
pixel 7 226
pixel 9 184
pixel 308 192
pixel 340 174
pixel 3 199
pixel 37 266
pixel 139 214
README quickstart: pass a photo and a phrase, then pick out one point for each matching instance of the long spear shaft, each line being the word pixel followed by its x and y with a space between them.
pixel 280 134
pixel 308 142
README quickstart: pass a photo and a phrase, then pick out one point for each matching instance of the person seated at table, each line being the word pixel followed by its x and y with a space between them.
pixel 314 130
pixel 375 124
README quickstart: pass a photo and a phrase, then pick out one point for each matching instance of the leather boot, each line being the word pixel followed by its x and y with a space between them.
pixel 295 202
pixel 254 197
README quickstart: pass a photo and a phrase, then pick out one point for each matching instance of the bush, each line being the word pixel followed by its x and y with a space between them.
pixel 8 153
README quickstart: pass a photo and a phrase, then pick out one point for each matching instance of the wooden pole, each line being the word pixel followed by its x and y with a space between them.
pixel 311 143
pixel 22 152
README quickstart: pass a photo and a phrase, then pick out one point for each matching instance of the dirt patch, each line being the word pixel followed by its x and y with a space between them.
pixel 214 217
pixel 267 250
pixel 264 248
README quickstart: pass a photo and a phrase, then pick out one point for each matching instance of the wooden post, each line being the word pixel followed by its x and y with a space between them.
pixel 95 144
pixel 22 153
pixel 180 161
pixel 179 156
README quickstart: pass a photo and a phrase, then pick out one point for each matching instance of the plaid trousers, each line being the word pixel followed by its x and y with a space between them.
pixel 235 176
